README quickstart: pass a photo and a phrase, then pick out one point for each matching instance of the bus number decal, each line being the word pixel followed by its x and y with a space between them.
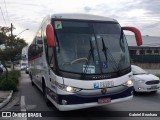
pixel 88 69
pixel 58 25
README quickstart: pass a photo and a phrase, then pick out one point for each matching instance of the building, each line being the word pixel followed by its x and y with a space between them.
pixel 146 55
pixel 151 45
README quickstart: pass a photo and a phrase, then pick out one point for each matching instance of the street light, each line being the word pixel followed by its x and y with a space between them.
pixel 21 32
pixel 12 38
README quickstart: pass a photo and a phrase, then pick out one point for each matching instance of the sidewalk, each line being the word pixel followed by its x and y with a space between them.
pixel 5 97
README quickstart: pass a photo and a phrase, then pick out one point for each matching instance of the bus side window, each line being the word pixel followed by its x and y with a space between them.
pixel 39 43
pixel 32 51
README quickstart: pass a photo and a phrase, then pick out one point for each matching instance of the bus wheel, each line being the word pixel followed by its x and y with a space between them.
pixel 48 102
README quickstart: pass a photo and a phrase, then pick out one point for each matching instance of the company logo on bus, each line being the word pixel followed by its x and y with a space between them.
pixel 96 85
pixel 102 77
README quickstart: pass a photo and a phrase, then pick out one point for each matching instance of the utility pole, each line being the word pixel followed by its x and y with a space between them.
pixel 11 31
pixel 12 64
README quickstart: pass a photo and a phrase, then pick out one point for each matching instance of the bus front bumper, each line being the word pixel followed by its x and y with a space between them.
pixel 88 105
pixel 74 101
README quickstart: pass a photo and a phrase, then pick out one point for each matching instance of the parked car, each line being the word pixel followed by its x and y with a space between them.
pixel 23 66
pixel 144 81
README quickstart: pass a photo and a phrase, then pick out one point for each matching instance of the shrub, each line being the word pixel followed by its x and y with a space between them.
pixel 8 85
pixel 11 82
pixel 14 75
pixel 8 65
pixel 158 75
pixel 2 76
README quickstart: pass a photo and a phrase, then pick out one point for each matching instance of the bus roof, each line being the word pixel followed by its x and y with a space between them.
pixel 81 17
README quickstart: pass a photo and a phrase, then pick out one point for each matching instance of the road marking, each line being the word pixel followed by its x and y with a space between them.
pixel 23 107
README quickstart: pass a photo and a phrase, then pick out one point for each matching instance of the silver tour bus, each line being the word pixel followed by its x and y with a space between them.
pixel 80 61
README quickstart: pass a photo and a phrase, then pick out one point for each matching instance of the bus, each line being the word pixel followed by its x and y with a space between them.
pixel 80 61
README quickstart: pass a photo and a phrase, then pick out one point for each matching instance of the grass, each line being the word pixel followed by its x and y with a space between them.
pixel 158 75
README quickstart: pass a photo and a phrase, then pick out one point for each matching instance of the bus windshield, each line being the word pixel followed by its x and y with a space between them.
pixel 90 47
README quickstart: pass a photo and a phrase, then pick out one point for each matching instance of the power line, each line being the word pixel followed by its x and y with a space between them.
pixel 3 16
pixel 6 11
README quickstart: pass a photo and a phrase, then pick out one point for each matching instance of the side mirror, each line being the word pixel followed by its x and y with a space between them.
pixel 50 36
pixel 136 32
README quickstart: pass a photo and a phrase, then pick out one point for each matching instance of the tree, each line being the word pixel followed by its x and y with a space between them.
pixel 13 46
pixel 3 54
pixel 3 32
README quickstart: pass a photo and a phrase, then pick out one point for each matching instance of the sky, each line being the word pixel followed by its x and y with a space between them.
pixel 28 14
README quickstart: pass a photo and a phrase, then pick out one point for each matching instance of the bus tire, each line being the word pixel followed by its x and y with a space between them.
pixel 48 102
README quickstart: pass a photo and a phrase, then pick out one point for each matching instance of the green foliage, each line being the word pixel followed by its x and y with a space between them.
pixel 12 81
pixel 8 65
pixel 158 75
pixel 14 75
pixel 3 36
pixel 2 76
pixel 13 45
pixel 8 84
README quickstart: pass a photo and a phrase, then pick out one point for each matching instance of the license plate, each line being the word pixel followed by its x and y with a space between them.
pixel 154 87
pixel 104 100
pixel 105 84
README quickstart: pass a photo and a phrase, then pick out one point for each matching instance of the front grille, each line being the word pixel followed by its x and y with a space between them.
pixel 152 82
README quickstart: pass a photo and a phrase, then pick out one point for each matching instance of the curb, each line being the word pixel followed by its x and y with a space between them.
pixel 6 100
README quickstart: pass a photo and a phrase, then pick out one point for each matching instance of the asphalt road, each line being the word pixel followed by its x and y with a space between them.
pixel 30 98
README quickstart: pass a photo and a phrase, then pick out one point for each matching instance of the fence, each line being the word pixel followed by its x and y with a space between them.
pixel 146 61
pixel 145 58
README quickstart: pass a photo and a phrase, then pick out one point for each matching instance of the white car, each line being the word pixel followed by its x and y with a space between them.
pixel 143 81
pixel 23 66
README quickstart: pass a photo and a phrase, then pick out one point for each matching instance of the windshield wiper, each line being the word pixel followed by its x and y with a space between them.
pixel 110 57
pixel 104 49
pixel 91 52
pixel 91 49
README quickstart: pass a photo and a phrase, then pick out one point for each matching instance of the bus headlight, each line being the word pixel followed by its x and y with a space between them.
pixel 71 89
pixel 67 88
pixel 129 83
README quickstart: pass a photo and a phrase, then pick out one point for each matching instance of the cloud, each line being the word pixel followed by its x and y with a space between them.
pixel 144 14
pixel 152 25
pixel 152 6
pixel 87 9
